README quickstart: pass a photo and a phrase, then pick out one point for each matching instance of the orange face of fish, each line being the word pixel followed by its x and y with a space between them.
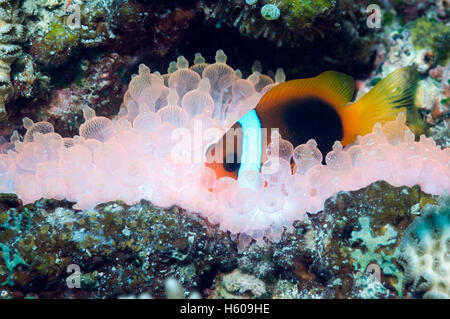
pixel 224 156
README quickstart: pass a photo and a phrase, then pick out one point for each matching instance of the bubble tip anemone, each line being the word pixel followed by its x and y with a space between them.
pixel 157 127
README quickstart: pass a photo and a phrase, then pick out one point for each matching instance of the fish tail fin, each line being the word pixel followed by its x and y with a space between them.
pixel 390 96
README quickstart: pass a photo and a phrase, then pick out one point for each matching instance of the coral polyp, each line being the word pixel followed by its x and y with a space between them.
pixel 155 149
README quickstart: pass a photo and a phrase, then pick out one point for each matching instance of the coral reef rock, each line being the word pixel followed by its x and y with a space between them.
pixel 283 23
pixel 121 250
pixel 11 33
pixel 117 249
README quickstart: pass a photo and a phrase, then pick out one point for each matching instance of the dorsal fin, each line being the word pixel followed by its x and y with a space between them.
pixel 394 94
pixel 335 88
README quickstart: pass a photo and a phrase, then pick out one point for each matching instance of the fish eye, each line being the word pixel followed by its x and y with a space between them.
pixel 230 162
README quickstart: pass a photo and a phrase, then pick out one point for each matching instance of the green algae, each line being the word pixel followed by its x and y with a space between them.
pixel 432 34
pixel 56 47
pixel 301 12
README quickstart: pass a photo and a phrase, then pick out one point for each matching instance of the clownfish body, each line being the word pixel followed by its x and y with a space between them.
pixel 317 108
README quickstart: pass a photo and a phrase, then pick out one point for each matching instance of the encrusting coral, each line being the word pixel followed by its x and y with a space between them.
pixel 167 123
pixel 11 33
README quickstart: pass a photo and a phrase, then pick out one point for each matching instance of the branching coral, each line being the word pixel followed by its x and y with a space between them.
pixel 11 33
pixel 155 149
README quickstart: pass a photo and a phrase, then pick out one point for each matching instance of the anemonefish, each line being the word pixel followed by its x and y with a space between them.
pixel 317 108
